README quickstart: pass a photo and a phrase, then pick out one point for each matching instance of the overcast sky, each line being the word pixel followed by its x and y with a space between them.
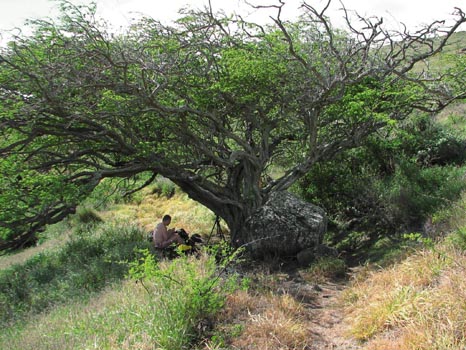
pixel 413 13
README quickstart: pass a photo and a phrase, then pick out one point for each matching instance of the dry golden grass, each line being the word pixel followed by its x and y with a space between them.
pixel 419 303
pixel 266 321
pixel 185 213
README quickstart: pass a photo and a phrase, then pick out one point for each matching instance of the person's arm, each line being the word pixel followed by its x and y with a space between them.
pixel 164 244
pixel 161 239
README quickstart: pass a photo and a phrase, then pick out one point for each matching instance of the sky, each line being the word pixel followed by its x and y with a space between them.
pixel 413 13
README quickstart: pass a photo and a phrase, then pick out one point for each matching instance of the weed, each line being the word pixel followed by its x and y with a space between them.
pixel 164 306
pixel 185 292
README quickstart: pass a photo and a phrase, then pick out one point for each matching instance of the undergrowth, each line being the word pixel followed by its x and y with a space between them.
pixel 88 262
pixel 164 305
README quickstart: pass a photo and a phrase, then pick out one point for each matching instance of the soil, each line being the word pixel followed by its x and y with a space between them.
pixel 329 329
pixel 323 300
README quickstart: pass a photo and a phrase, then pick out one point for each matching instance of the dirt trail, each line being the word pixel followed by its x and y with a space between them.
pixel 329 332
pixel 327 320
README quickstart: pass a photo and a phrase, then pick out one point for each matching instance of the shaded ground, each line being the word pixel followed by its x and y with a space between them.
pixel 329 332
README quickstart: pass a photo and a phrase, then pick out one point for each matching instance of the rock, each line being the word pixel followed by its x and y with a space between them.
pixel 284 226
pixel 307 256
pixel 323 250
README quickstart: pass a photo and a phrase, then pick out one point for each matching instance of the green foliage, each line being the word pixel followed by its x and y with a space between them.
pixel 458 238
pixel 86 215
pixel 211 102
pixel 414 193
pixel 185 292
pixel 25 194
pixel 90 261
pixel 390 185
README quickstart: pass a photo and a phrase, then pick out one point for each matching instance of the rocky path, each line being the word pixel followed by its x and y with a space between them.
pixel 327 325
pixel 329 332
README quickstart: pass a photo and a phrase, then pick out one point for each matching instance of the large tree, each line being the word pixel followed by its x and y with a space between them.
pixel 211 102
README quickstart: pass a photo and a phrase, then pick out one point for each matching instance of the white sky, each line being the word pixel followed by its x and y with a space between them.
pixel 413 13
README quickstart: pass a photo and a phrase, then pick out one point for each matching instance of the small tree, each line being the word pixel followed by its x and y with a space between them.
pixel 211 102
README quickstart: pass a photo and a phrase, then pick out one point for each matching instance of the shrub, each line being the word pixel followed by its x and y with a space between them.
pixel 185 291
pixel 389 185
pixel 85 215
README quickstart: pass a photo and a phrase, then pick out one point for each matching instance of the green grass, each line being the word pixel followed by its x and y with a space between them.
pixel 76 294
pixel 160 308
pixel 88 262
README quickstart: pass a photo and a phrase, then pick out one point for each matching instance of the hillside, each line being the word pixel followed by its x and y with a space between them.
pixel 278 305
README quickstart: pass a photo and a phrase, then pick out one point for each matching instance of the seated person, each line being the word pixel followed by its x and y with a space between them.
pixel 164 237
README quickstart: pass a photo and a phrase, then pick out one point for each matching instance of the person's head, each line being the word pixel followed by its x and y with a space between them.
pixel 167 219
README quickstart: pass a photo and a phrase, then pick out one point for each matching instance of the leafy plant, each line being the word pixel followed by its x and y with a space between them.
pixel 186 291
pixel 389 186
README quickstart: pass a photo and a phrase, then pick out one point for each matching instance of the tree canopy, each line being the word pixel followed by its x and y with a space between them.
pixel 211 102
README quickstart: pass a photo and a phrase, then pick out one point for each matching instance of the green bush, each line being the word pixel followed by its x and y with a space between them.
pixel 414 193
pixel 84 265
pixel 390 185
pixel 185 292
pixel 86 215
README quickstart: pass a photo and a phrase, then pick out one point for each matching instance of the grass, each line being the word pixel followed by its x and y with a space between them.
pixel 272 314
pixel 159 309
pixel 148 211
pixel 79 295
pixel 325 268
pixel 418 303
pixel 270 321
pixel 85 264
pixel 55 236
